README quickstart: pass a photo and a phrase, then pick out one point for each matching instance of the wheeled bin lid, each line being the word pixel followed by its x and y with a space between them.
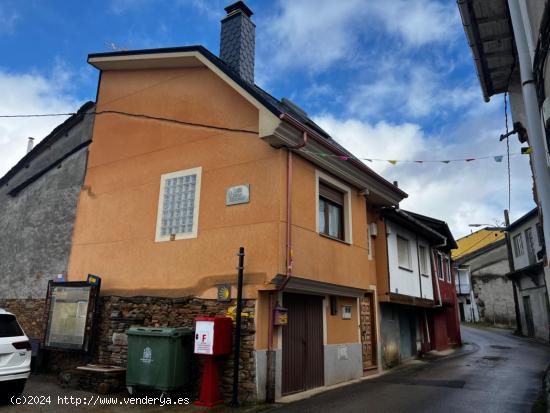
pixel 160 331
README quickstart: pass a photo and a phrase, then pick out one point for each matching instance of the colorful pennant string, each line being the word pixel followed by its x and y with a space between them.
pixel 496 158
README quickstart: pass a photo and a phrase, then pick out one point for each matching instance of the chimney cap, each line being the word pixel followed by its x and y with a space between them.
pixel 239 6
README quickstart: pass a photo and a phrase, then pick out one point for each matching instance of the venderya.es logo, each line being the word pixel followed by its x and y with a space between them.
pixel 147 355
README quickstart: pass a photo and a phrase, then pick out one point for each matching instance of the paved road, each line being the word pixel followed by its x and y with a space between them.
pixel 503 375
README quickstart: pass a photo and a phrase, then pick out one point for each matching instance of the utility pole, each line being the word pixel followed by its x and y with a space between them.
pixel 237 342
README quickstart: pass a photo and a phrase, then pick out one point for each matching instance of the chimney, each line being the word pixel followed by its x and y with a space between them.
pixel 237 41
pixel 30 144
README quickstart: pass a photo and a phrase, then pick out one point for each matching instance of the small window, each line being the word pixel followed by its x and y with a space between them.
pixel 331 212
pixel 178 205
pixel 346 312
pixel 540 234
pixel 403 253
pixel 422 252
pixel 439 262
pixel 448 269
pixel 518 246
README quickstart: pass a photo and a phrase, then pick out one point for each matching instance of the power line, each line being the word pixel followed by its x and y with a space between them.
pixel 138 115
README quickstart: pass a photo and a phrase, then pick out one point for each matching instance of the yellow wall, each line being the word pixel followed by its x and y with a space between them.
pixel 114 235
pixel 321 258
pixel 475 241
pixel 341 331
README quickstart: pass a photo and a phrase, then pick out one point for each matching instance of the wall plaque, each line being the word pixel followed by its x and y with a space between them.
pixel 239 194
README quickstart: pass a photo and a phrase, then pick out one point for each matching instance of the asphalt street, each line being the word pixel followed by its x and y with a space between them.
pixel 503 373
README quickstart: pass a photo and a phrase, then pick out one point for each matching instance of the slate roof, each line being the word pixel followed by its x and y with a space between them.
pixel 47 142
pixel 522 219
pixel 439 226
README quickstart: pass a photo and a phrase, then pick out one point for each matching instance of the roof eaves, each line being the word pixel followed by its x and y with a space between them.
pixel 55 134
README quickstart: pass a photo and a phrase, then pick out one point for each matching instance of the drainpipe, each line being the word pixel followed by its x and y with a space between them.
pixel 270 382
pixel 536 135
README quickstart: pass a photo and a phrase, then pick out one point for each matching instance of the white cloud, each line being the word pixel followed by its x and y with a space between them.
pixel 30 93
pixel 459 193
pixel 410 89
pixel 316 34
pixel 419 22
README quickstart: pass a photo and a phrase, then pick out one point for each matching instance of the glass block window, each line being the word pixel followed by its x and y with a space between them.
pixel 178 205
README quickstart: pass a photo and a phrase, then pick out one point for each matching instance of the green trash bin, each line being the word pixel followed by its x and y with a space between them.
pixel 158 358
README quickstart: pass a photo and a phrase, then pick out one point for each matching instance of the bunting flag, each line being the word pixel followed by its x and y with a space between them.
pixel 495 158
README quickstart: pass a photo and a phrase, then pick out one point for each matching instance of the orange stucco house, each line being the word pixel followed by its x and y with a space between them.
pixel 191 160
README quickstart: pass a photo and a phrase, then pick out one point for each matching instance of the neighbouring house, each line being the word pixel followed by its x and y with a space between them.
pixel 527 275
pixel 444 322
pixel 407 259
pixel 191 160
pixel 482 262
pixel 38 199
pixel 509 42
pixel 467 306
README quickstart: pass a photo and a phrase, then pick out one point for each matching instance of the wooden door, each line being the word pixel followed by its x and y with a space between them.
pixel 368 332
pixel 303 358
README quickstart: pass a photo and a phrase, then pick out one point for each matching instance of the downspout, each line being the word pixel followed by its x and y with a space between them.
pixel 270 382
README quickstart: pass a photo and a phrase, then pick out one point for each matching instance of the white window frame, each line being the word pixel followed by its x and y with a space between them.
pixel 423 254
pixel 408 241
pixel 183 235
pixel 447 261
pixel 518 245
pixel 439 266
pixel 346 210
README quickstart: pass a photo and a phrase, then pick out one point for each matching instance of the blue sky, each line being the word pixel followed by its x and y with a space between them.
pixel 390 80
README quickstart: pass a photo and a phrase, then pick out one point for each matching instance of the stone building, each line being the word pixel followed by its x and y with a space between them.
pixel 38 199
pixel 485 257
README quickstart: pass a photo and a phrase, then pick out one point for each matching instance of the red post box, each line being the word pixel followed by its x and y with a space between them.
pixel 212 338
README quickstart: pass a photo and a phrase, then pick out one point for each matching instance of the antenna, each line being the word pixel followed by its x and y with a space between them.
pixel 113 46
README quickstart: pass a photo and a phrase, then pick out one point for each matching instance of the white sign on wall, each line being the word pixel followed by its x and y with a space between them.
pixel 204 337
pixel 239 194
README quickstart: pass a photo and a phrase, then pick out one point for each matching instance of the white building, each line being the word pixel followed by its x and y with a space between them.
pixel 527 274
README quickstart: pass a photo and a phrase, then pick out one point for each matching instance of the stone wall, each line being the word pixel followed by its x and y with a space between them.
pixel 117 314
pixel 37 222
pixel 30 314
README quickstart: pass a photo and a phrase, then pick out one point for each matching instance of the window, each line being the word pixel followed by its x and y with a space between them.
pixel 9 326
pixel 518 245
pixel 540 235
pixel 333 208
pixel 439 263
pixel 178 205
pixel 422 252
pixel 331 212
pixel 448 269
pixel 403 253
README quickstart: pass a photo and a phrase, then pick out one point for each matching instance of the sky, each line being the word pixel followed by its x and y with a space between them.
pixel 390 80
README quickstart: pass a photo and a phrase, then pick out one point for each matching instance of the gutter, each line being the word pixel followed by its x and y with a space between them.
pixel 327 144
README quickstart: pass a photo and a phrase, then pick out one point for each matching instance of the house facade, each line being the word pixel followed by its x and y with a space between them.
pixel 483 257
pixel 412 303
pixel 179 132
pixel 467 306
pixel 527 276
pixel 508 39
pixel 38 199
pixel 445 323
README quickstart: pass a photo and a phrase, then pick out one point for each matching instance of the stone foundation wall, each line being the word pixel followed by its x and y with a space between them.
pixel 117 314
